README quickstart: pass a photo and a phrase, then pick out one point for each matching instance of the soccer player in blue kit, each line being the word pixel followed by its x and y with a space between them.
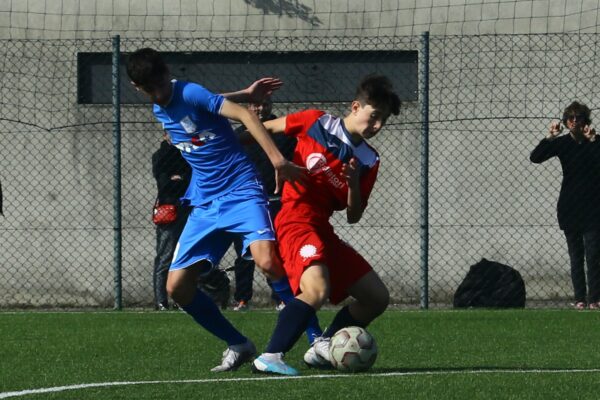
pixel 224 191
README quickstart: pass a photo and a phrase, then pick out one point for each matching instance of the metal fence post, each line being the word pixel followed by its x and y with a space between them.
pixel 424 217
pixel 116 106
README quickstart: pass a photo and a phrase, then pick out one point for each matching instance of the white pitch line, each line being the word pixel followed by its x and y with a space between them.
pixel 6 395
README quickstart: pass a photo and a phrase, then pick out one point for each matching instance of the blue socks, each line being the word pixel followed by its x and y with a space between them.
pixel 284 291
pixel 206 313
pixel 290 324
pixel 313 330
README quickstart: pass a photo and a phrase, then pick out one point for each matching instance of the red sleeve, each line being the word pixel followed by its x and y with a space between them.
pixel 298 123
pixel 367 182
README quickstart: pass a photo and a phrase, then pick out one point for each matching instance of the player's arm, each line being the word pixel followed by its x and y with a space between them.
pixel 284 169
pixel 257 92
pixel 274 126
pixel 355 208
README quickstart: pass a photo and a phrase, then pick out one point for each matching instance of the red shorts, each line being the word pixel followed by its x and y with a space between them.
pixel 302 243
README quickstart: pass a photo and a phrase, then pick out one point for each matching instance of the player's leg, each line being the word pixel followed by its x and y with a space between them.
pixel 350 275
pixel 216 286
pixel 249 217
pixel 183 289
pixel 279 304
pixel 267 259
pixel 274 208
pixel 372 298
pixel 200 247
pixel 293 319
pixel 264 254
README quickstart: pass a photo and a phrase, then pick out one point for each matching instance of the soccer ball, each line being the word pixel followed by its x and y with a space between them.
pixel 352 349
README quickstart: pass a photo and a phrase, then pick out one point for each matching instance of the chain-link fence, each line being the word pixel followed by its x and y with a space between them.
pixel 490 101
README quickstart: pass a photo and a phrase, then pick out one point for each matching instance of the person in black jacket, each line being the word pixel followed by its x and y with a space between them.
pixel 172 174
pixel 579 200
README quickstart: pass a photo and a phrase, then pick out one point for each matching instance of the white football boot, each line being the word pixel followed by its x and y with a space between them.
pixel 317 356
pixel 236 355
pixel 272 363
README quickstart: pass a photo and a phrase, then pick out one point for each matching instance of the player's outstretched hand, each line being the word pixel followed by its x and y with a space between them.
pixel 262 89
pixel 351 172
pixel 288 171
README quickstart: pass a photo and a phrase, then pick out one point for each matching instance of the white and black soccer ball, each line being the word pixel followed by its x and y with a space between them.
pixel 353 349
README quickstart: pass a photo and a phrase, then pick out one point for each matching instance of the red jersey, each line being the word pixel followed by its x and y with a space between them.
pixel 323 147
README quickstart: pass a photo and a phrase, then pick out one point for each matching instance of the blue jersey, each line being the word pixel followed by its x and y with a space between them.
pixel 206 141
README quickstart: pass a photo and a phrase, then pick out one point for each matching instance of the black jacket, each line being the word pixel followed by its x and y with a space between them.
pixel 166 162
pixel 578 205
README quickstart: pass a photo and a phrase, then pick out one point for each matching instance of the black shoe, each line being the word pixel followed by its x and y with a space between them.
pixel 162 307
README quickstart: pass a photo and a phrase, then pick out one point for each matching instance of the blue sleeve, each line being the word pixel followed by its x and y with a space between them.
pixel 202 98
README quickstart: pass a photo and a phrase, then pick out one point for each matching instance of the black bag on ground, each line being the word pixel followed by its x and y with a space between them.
pixel 491 284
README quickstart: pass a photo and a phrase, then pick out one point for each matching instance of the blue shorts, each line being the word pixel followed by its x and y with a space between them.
pixel 210 228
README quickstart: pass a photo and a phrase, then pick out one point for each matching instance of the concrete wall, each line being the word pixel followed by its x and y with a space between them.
pixel 34 19
pixel 491 98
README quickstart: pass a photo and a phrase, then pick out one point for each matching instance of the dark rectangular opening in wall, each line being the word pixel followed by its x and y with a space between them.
pixel 319 76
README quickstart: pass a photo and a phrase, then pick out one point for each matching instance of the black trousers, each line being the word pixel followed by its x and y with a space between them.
pixel 584 248
pixel 166 240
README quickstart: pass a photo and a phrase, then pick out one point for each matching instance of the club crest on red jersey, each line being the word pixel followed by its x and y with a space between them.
pixel 315 163
pixel 308 251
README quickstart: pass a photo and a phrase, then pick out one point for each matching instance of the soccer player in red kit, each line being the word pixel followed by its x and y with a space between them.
pixel 319 265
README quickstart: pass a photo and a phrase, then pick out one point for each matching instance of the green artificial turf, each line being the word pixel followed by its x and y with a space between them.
pixel 471 354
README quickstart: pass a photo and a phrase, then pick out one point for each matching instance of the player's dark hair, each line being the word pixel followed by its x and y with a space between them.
pixel 146 66
pixel 577 108
pixel 378 91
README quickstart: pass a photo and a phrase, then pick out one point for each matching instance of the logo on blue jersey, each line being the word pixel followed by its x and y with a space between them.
pixel 188 125
pixel 203 137
pixel 196 141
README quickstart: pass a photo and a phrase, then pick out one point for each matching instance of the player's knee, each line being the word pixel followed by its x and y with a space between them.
pixel 270 266
pixel 179 291
pixel 172 289
pixel 316 295
pixel 322 296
